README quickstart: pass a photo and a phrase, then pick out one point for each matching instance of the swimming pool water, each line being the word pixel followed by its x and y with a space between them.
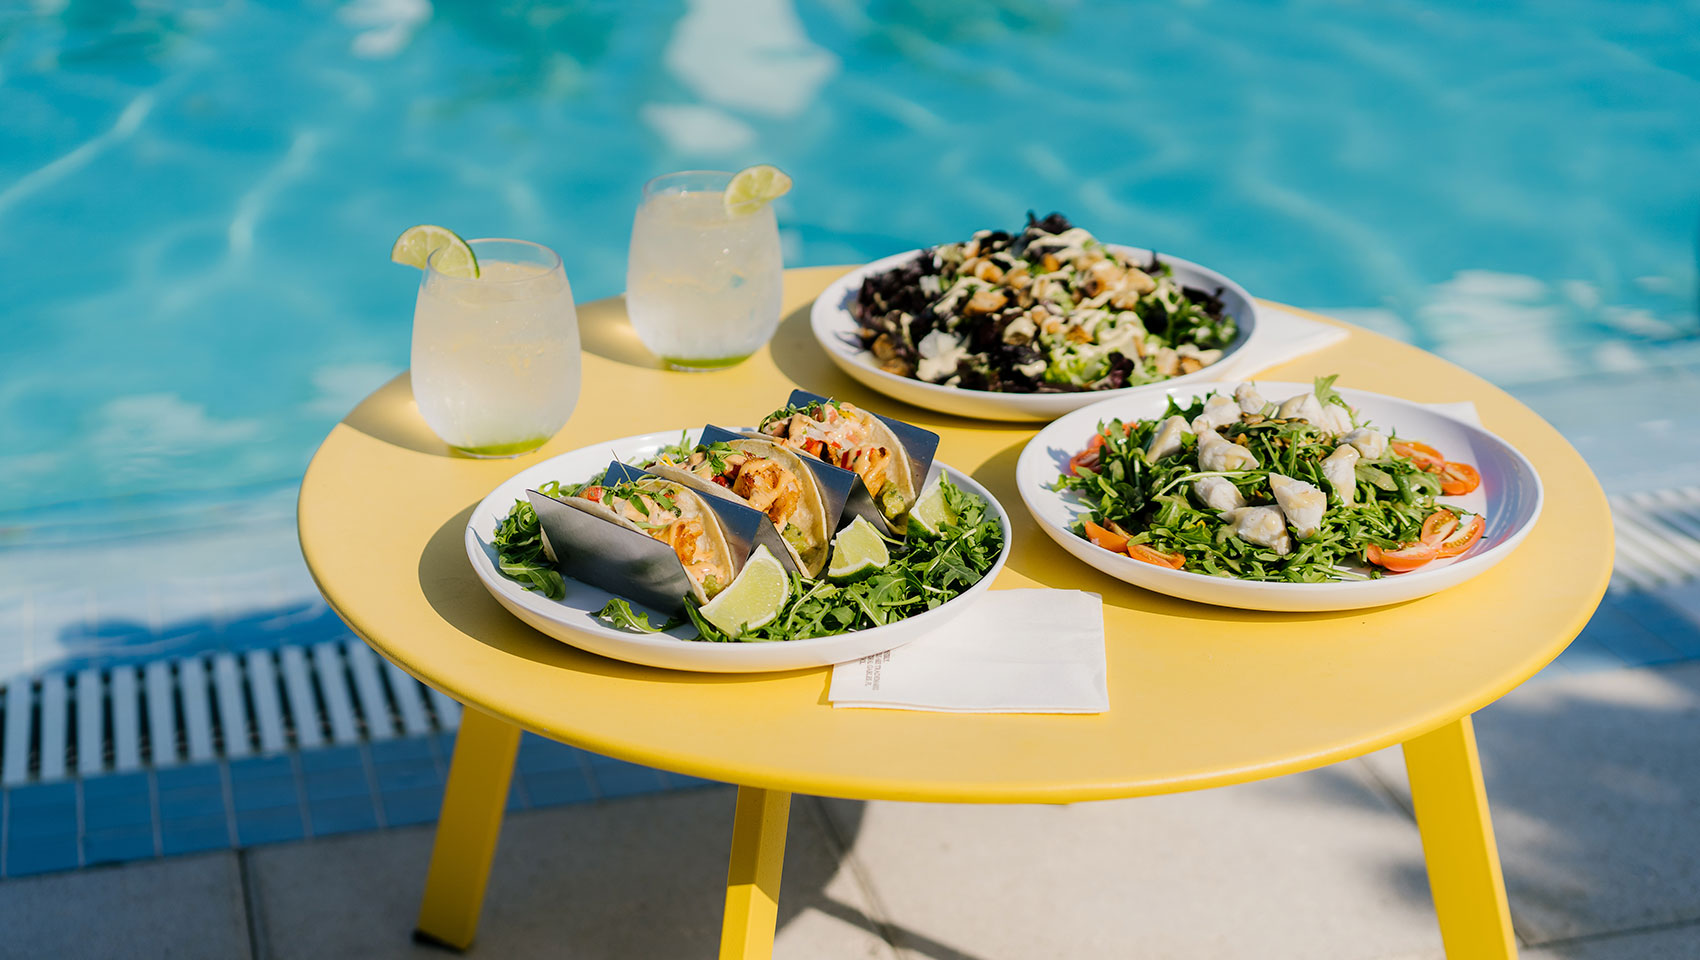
pixel 196 199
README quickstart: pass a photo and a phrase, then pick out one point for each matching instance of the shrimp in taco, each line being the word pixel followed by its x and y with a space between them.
pixel 847 436
pixel 765 475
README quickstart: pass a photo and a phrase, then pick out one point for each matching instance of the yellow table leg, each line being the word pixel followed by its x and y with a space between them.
pixel 471 818
pixel 1463 863
pixel 752 880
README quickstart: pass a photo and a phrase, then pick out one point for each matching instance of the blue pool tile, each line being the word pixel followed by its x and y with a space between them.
pixel 407 775
pixel 1586 655
pixel 189 777
pixel 403 750
pixel 40 854
pixel 196 801
pixel 418 805
pixel 538 754
pixel 44 796
pixel 193 835
pixel 1613 628
pixel 548 788
pixel 336 784
pixel 1666 619
pixel 269 826
pixel 115 786
pixel 262 782
pixel 113 812
pixel 616 778
pixel 681 781
pixel 118 845
pixel 332 758
pixel 342 815
pixel 516 796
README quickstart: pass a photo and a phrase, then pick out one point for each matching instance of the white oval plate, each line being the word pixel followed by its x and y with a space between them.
pixel 573 618
pixel 1509 498
pixel 835 329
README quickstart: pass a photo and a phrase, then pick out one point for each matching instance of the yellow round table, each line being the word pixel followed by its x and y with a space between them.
pixel 1201 696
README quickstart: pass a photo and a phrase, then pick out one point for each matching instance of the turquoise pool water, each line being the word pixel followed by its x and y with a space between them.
pixel 196 199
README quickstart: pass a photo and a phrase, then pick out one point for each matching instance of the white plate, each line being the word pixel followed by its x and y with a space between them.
pixel 1509 498
pixel 836 329
pixel 573 618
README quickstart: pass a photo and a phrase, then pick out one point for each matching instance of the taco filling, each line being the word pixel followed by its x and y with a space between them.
pixel 846 436
pixel 658 512
pixel 757 473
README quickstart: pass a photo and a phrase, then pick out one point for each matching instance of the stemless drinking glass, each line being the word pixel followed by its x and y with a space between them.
pixel 496 357
pixel 702 286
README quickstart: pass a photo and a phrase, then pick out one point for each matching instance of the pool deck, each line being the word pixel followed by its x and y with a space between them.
pixel 1597 812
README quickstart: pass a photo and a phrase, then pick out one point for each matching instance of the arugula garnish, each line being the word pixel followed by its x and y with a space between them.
pixel 519 548
pixel 924 572
pixel 808 410
pixel 618 613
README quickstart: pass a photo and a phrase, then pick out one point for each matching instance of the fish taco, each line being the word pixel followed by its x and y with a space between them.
pixel 673 513
pixel 763 474
pixel 847 436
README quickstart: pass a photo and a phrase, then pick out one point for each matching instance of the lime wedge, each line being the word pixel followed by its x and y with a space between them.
pixel 416 244
pixel 755 187
pixel 857 551
pixel 753 599
pixel 931 512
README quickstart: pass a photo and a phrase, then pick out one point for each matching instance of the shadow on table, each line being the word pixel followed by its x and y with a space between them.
pixel 390 415
pixel 604 330
pixel 454 591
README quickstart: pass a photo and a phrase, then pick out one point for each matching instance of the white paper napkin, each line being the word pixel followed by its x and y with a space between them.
pixel 1013 651
pixel 1281 336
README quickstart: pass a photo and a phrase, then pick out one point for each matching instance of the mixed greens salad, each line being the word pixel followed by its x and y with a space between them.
pixel 1303 490
pixel 949 548
pixel 1049 309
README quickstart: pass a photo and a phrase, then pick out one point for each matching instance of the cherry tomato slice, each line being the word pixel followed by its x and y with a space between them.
pixel 1403 560
pixel 1104 538
pixel 1141 552
pixel 1458 478
pixel 1464 538
pixel 1439 526
pixel 1423 455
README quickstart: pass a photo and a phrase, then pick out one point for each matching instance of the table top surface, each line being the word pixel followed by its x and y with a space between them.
pixel 1200 696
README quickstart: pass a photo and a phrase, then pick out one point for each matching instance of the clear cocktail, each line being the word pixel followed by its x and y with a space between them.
pixel 702 284
pixel 496 357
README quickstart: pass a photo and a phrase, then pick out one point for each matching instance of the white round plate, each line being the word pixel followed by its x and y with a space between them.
pixel 1509 498
pixel 573 618
pixel 836 329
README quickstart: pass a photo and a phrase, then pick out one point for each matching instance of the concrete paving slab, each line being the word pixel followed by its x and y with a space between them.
pixel 186 908
pixel 1596 800
pixel 1313 865
pixel 1671 943
pixel 639 877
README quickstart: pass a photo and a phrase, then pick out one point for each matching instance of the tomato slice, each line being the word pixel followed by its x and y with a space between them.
pixel 1457 478
pixel 1403 560
pixel 1439 526
pixel 1114 542
pixel 1141 552
pixel 1425 456
pixel 1463 538
pixel 1085 458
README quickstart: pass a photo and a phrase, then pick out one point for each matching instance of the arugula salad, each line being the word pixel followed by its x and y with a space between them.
pixel 951 544
pixel 1048 309
pixel 1303 490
